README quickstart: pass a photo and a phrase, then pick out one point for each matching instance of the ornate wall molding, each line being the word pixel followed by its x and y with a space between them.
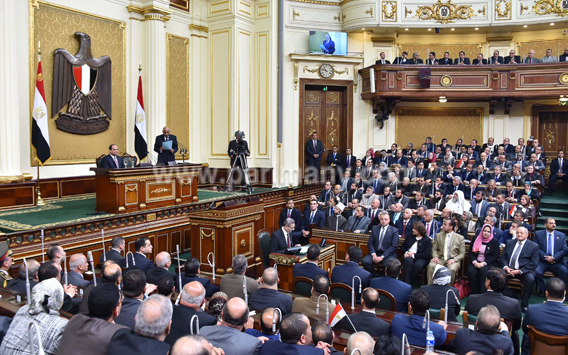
pixel 551 7
pixel 445 13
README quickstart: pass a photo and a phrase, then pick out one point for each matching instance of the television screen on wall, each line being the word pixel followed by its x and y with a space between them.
pixel 323 42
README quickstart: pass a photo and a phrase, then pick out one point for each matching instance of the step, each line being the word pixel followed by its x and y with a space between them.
pixel 553 212
pixel 562 229
pixel 559 203
pixel 560 221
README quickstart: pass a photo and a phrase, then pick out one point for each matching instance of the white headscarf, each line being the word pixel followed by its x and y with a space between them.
pixel 459 206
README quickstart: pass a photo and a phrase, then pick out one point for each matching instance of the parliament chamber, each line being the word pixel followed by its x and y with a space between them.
pixel 283 177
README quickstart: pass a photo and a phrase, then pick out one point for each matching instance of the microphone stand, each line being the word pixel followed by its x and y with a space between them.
pixel 133 261
pixel 27 283
pixel 326 306
pixel 353 290
pixel 405 345
pixel 212 263
pixel 104 252
pixel 64 268
pixel 274 318
pixel 42 248
pixel 447 292
pixel 424 321
pixel 179 269
pixel 31 328
pixel 90 257
pixel 191 330
pixel 245 289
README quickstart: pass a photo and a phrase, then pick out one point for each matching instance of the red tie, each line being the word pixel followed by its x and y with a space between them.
pixel 510 193
pixel 373 216
pixel 428 229
pixel 403 229
pixel 288 213
pixel 288 240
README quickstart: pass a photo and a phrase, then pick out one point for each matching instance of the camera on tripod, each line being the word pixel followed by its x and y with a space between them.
pixel 240 138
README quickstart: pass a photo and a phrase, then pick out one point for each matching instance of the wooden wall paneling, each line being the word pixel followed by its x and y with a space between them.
pixel 20 195
pixel 175 241
pixel 162 243
pixel 79 186
pixel 186 240
pixel 49 189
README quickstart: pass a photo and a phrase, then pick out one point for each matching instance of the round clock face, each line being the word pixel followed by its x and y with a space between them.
pixel 326 71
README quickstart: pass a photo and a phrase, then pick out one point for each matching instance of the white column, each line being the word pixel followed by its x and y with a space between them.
pixel 9 100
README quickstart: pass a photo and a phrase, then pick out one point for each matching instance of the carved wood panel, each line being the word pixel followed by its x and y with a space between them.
pixel 553 127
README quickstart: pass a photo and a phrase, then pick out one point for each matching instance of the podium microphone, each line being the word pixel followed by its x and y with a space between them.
pixel 90 257
pixel 27 282
pixel 183 150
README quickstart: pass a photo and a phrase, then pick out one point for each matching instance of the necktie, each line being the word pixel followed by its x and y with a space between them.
pixel 115 161
pixel 349 160
pixel 372 216
pixel 383 229
pixel 448 254
pixel 375 184
pixel 289 213
pixel 514 262
pixel 550 244
pixel 531 61
pixel 560 163
pixel 333 156
pixel 478 208
pixel 312 217
pixel 428 229
pixel 438 205
pixel 404 228
pixel 356 224
pixel 315 146
pixel 288 239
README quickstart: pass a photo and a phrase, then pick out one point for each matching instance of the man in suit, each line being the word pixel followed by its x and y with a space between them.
pixel 404 224
pixel 153 322
pixel 346 273
pixel 191 300
pixel 282 239
pixel 163 263
pixel 402 59
pixel 312 216
pixel 267 296
pixel 479 60
pixel 112 160
pixel 345 184
pixel 295 336
pixel 228 334
pixel 515 176
pixel 143 247
pixel 433 172
pixel 446 60
pixel 549 58
pixel 496 59
pixel 352 195
pixel 291 212
pixel 19 284
pixel 548 317
pixel 552 250
pixel 310 269
pixel 359 223
pixel 349 161
pixel 487 164
pixel 373 212
pixel 520 260
pixel 400 159
pixel 166 155
pixel 491 334
pixel 336 222
pixel 115 252
pixel 308 305
pixel 462 60
pixel 512 195
pixel 314 151
pixel 399 197
pixel 468 173
pixel 499 177
pixel 472 189
pixel 531 59
pixel 77 267
pixel 432 226
pixel 491 191
pixel 448 249
pixel 334 161
pixel 232 284
pixel 382 243
pixel 367 320
pixel 558 170
pixel 437 201
pixel 400 290
pixel 564 57
pixel 415 59
pixel 111 273
pixel 326 195
pixel 503 207
pixel 478 205
pixel 432 59
pixel 512 58
pixel 456 186
pixel 134 288
pixel 382 60
pixel 191 272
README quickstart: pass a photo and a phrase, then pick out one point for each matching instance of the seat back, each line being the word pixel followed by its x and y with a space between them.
pixel 264 242
pixel 99 159
pixel 386 301
pixel 303 285
pixel 469 319
pixel 341 292
pixel 130 161
pixel 542 343
pixel 437 313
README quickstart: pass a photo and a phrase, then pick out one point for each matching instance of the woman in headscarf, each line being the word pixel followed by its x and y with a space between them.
pixel 484 254
pixel 417 252
pixel 437 291
pixel 448 160
pixel 531 192
pixel 216 304
pixel 457 203
pixel 46 301
pixel 369 155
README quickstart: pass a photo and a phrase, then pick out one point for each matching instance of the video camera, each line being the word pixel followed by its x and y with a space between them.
pixel 240 138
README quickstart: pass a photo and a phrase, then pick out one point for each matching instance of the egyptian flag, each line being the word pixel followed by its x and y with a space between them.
pixel 40 134
pixel 512 210
pixel 140 142
pixel 337 315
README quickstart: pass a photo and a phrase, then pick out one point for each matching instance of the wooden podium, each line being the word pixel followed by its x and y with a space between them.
pixel 138 189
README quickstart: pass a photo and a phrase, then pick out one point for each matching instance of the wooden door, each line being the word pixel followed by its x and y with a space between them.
pixel 552 131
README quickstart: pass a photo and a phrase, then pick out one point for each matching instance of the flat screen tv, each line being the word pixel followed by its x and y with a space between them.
pixel 323 42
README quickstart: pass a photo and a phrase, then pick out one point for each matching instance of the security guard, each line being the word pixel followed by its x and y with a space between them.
pixel 5 264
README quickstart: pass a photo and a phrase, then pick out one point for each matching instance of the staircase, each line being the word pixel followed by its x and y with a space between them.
pixel 554 206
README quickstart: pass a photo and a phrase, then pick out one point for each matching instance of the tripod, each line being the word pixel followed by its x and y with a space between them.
pixel 245 170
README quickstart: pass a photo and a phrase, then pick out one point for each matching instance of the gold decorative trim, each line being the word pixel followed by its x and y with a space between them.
pixel 524 8
pixel 407 12
pixel 548 7
pixel 445 13
pixel 446 81
pixel 392 15
pixel 131 189
pixel 370 11
pixel 503 14
pixel 284 260
pixel 117 179
pixel 563 78
pixel 481 11
pixel 199 28
pixel 338 17
pixel 210 235
pixel 151 12
pixel 295 14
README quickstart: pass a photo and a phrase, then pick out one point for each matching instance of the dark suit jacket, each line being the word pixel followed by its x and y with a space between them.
pixel 128 312
pixel 528 258
pixel 424 247
pixel 233 150
pixel 398 60
pixel 378 62
pixel 467 339
pixel 415 61
pixel 466 61
pixel 277 347
pixel 509 308
pixel 563 57
pixel 309 270
pixel 499 60
pixel 431 62
pixel 210 289
pixel 548 317
pixel 127 341
pixel 437 295
pixel 331 160
pixel 352 162
pixel 555 166
pixel 108 163
pixel 476 62
pixel 154 274
pixel 310 152
pixel 142 262
pixel 491 252
pixel 400 226
pixel 366 322
pixel 181 318
pixel 507 59
pixel 75 279
pixel 560 248
pixel 444 61
pixel 165 156
pixel 278 242
pixel 296 215
pixel 400 290
pixel 319 219
pixel 20 285
pixel 467 177
pixel 345 273
pixel 390 241
pixel 114 256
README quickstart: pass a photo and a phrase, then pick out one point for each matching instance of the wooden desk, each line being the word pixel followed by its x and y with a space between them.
pixel 286 264
pixel 138 189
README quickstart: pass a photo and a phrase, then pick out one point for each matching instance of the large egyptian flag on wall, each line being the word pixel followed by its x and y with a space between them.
pixel 40 134
pixel 140 142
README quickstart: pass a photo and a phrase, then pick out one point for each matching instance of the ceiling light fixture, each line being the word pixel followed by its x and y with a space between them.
pixel 429 29
pixel 477 28
pixel 406 29
pixel 552 24
pixel 525 26
pixel 453 29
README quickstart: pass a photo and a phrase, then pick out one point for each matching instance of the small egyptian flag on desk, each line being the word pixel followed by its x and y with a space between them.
pixel 140 142
pixel 40 134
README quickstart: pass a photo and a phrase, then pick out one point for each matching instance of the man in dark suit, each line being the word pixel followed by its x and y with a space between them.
pixel 548 317
pixel 112 160
pixel 400 290
pixel 310 269
pixel 291 212
pixel 487 163
pixel 432 59
pixel 382 243
pixel 552 250
pixel 326 195
pixel 191 272
pixel 143 247
pixel 404 224
pixel 281 239
pixel 295 336
pixel 346 273
pixel 314 151
pixel 358 223
pixel 558 170
pixel 446 60
pixel 382 60
pixel 115 252
pixel 152 327
pixel 491 334
pixel 367 320
pixel 479 60
pixel 163 263
pixel 134 288
pixel 322 336
pixel 166 155
pixel 311 216
pixel 402 59
pixel 334 161
pixel 462 60
pixel 468 173
pixel 415 59
pixel 520 260
pixel 512 58
pixel 564 57
pixel 77 267
pixel 19 284
pixel 348 161
pixel 478 205
pixel 496 59
pixel 191 300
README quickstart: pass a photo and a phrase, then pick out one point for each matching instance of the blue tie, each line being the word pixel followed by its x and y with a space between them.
pixel 550 244
pixel 375 184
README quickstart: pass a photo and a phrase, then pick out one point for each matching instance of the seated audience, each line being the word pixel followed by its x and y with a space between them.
pixel 232 284
pixel 417 251
pixel 268 296
pixel 382 243
pixel 166 287
pixel 50 270
pixel 19 284
pixel 310 269
pixel 267 317
pixel 192 269
pixel 361 341
pixel 295 338
pixel 552 250
pixel 195 344
pixel 366 320
pixel 322 335
pixel 346 273
pixel 448 249
pixel 336 222
pixel 401 291
pixel 484 254
pixel 308 305
pixel 134 287
pixel 112 273
pixel 359 223
pixel 143 247
pixel 216 304
pixel 440 290
pixel 388 344
pixel 163 263
pixel 77 267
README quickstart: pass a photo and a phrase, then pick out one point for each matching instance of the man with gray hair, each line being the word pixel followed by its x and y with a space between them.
pixel 282 239
pixel 491 334
pixel 232 284
pixel 19 284
pixel 77 267
pixel 362 341
pixel 153 322
pixel 268 296
pixel 195 345
pixel 163 263
pixel 192 299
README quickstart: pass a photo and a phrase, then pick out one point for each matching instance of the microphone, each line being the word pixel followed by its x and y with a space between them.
pixel 151 158
pixel 356 350
pixel 326 305
pixel 424 321
pixel 457 300
pixel 245 289
pixel 64 268
pixel 274 318
pixel 183 151
pixel 353 290
pixel 133 261
pixel 191 330
pixel 42 248
pixel 33 324
pixel 27 282
pixel 104 252
pixel 179 269
pixel 405 345
pixel 90 257
pixel 212 263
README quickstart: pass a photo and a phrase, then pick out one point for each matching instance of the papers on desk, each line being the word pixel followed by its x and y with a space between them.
pixel 167 145
pixel 304 249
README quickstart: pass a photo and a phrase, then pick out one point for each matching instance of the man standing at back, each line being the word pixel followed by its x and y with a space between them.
pixel 552 250
pixel 115 252
pixel 232 284
pixel 310 269
pixel 143 247
pixel 314 152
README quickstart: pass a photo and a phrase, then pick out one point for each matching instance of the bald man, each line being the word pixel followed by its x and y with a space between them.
pixel 19 284
pixel 112 273
pixel 266 325
pixel 169 141
pixel 163 263
pixel 268 296
pixel 296 338
pixel 361 341
pixel 195 345
pixel 227 335
pixel 191 301
pixel 77 267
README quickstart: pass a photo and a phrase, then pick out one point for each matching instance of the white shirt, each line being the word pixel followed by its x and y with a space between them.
pixel 286 236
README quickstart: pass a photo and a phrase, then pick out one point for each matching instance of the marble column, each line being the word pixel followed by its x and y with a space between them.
pixel 9 99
